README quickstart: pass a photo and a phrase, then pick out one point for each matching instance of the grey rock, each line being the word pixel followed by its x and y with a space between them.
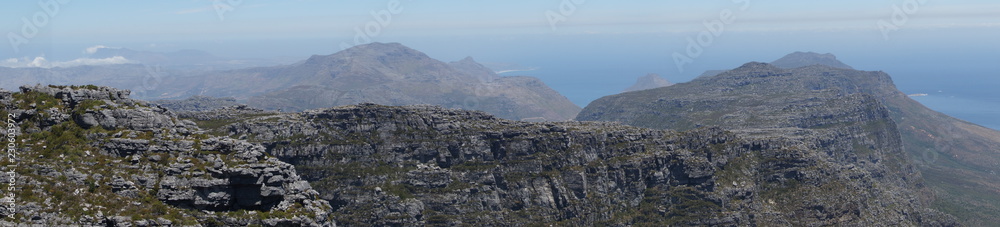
pixel 438 166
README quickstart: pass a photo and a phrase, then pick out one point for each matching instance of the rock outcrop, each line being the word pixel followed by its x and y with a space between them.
pixel 196 103
pixel 92 156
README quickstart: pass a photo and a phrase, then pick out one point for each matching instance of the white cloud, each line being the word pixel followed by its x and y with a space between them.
pixel 41 62
pixel 94 49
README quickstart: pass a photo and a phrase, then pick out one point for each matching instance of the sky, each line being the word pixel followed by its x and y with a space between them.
pixel 584 49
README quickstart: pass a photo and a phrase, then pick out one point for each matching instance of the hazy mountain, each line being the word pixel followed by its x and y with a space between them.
pixel 385 73
pixel 183 59
pixel 794 60
pixel 801 59
pixel 649 81
pixel 473 68
pixel 124 76
pixel 958 159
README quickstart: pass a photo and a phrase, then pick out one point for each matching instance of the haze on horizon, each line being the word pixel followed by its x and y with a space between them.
pixel 583 49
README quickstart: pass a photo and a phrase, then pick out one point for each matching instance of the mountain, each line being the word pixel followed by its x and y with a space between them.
pixel 181 57
pixel 384 73
pixel 125 76
pixel 802 59
pixel 92 156
pixel 471 67
pixel 109 160
pixel 795 60
pixel 958 159
pixel 649 81
pixel 390 74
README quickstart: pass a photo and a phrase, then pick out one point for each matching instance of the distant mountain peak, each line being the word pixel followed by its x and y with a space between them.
pixel 649 81
pixel 467 59
pixel 755 67
pixel 383 48
pixel 381 51
pixel 470 66
pixel 802 59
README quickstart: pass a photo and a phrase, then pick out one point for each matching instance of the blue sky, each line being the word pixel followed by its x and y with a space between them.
pixel 600 48
pixel 155 22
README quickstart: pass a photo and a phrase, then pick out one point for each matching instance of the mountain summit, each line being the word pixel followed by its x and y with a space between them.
pixel 802 59
pixel 649 81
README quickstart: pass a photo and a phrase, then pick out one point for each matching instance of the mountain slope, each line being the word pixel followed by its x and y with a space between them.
pixel 389 74
pixel 957 158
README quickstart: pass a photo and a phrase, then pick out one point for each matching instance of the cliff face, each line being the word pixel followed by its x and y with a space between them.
pixel 92 156
pixel 422 165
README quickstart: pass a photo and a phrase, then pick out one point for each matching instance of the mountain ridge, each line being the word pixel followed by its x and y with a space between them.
pixel 949 151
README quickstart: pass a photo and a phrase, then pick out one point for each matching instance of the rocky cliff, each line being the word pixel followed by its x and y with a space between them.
pixel 92 156
pixel 424 165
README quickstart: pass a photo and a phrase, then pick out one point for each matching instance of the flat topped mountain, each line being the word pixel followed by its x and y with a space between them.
pixel 388 74
pixel 759 95
pixel 649 81
pixel 800 59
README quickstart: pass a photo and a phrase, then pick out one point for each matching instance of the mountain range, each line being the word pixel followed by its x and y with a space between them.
pixel 758 145
pixel 384 73
pixel 803 141
pixel 958 159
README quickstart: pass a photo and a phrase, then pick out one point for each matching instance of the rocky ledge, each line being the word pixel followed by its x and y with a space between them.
pixel 92 156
